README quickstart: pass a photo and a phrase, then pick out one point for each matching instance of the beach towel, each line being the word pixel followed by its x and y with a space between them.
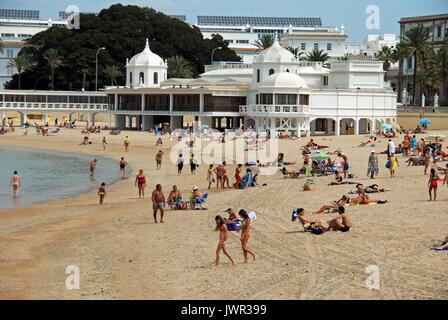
pixel 438 249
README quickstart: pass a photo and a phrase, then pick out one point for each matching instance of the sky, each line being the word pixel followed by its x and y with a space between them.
pixel 350 13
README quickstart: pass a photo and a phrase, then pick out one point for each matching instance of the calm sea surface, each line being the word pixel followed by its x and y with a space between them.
pixel 48 175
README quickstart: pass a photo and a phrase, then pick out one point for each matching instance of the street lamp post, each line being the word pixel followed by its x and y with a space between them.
pixel 96 67
pixel 218 48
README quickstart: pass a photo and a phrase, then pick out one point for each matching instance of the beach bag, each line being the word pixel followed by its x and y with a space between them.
pixel 388 164
pixel 316 231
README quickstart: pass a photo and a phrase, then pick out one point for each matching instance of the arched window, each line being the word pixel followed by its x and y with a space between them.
pixel 271 71
pixel 156 78
pixel 142 77
pixel 130 77
pixel 258 75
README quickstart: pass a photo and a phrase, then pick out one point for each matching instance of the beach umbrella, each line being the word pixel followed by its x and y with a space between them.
pixel 386 126
pixel 320 156
pixel 425 121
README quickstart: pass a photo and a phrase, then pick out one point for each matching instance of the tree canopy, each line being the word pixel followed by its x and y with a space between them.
pixel 122 30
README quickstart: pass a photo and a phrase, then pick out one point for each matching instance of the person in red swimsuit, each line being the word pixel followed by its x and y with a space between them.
pixel 238 178
pixel 223 236
pixel 433 184
pixel 140 182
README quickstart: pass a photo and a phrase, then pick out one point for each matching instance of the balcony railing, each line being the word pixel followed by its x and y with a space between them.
pixel 186 108
pixel 275 109
pixel 53 106
pixel 221 108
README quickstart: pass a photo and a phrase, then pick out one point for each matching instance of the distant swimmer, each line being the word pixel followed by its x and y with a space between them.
pixel 102 193
pixel 15 183
pixel 92 169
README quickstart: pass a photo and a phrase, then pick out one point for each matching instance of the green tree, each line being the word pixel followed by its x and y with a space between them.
pixel 416 42
pixel 345 57
pixel 84 73
pixel 113 72
pixel 265 41
pixel 122 29
pixel 442 57
pixel 178 67
pixel 54 61
pixel 387 55
pixel 401 53
pixel 317 56
pixel 296 52
pixel 20 63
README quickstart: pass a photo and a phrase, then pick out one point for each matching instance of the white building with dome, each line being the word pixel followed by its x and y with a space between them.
pixel 275 92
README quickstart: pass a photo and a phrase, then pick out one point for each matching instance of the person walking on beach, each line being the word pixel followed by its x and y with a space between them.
pixel 219 176
pixel 373 165
pixel 390 148
pixel 15 183
pixel 225 177
pixel 393 164
pixel 193 164
pixel 245 235
pixel 159 156
pixel 140 182
pixel 210 176
pixel 102 193
pixel 180 164
pixel 158 202
pixel 433 184
pixel 104 142
pixel 92 169
pixel 414 144
pixel 123 164
pixel 345 163
pixel 238 177
pixel 127 142
pixel 223 236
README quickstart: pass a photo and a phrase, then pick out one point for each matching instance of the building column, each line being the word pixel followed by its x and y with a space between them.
pixel 89 118
pixel 372 125
pixel 201 103
pixel 45 117
pixel 171 102
pixel 109 122
pixel 338 127
pixel 236 122
pixel 329 126
pixel 93 119
pixel 116 102
pixel 313 127
pixel 23 116
pixel 356 124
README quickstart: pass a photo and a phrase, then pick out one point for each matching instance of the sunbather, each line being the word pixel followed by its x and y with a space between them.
pixel 334 205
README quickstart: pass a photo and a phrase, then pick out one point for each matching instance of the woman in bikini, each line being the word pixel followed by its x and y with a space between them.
pixel 223 236
pixel 238 177
pixel 122 168
pixel 433 183
pixel 245 235
pixel 140 182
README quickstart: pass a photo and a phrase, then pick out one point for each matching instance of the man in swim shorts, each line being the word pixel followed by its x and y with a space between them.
pixel 158 202
pixel 342 223
pixel 92 169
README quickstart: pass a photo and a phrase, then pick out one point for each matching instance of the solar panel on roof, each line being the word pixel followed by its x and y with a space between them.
pixel 260 21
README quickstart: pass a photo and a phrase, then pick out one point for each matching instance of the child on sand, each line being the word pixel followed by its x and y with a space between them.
pixel 223 236
pixel 102 193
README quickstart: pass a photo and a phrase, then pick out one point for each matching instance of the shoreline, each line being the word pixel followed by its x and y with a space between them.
pixel 87 189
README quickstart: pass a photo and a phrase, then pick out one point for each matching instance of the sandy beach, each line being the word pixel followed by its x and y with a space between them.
pixel 122 254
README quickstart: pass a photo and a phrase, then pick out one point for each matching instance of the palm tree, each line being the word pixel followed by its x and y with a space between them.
pixel 20 63
pixel 317 56
pixel 113 72
pixel 264 42
pixel 345 57
pixel 179 67
pixel 401 53
pixel 296 52
pixel 387 55
pixel 432 76
pixel 54 61
pixel 442 56
pixel 416 41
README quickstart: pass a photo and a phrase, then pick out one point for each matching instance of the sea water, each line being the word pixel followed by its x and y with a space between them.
pixel 49 175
